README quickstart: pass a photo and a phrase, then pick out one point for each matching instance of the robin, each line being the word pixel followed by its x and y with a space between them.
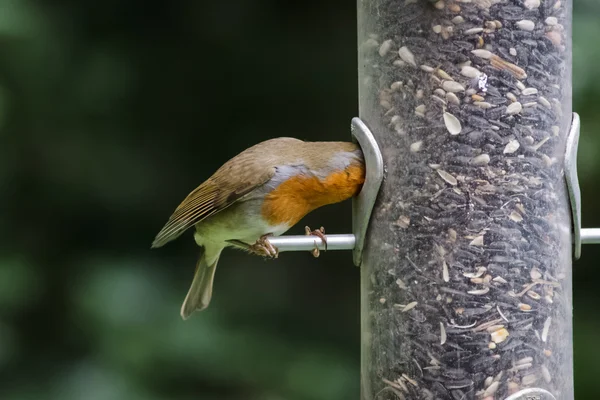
pixel 261 192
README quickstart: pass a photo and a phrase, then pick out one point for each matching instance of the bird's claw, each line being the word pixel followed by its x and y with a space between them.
pixel 264 248
pixel 320 233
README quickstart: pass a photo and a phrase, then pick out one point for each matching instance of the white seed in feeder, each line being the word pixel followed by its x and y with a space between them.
pixel 456 21
pixel 479 292
pixel 452 86
pixel 512 51
pixel 452 124
pixel 452 235
pixel 544 102
pixel 447 177
pixel 452 98
pixel 442 333
pixel 445 273
pixel 480 271
pixel 535 273
pixel 416 146
pixel 409 306
pixel 437 29
pixel 444 75
pixel 500 279
pixel 478 241
pixel 371 43
pixel 523 361
pixel 551 21
pixel 534 295
pixel 546 374
pixel 499 335
pixel 470 72
pixel 396 86
pixel 481 53
pixel 407 56
pixel 529 91
pixel 483 104
pixel 403 222
pixel 420 110
pixel 511 147
pixel 515 217
pixel 473 31
pixel 385 47
pixel 531 4
pixel 439 100
pixel 526 25
pixel 514 108
pixel 546 329
pixel 440 92
pixel 482 159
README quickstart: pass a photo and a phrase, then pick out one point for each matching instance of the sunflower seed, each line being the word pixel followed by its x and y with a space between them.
pixel 447 177
pixel 407 56
pixel 511 147
pixel 442 334
pixel 481 53
pixel 514 108
pixel 470 72
pixel 409 306
pixel 452 86
pixel 385 47
pixel 452 124
pixel 546 329
pixel 531 4
pixel 526 25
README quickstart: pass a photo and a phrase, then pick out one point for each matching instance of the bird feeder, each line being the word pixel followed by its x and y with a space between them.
pixel 466 274
pixel 466 264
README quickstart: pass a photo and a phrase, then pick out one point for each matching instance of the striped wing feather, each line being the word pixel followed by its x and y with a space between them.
pixel 217 193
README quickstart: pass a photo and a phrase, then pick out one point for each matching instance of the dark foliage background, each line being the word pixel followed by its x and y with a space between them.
pixel 110 113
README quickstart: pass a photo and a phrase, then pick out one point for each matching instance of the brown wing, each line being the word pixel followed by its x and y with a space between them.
pixel 227 186
pixel 238 177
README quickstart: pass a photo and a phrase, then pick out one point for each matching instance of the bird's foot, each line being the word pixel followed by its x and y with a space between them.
pixel 320 233
pixel 264 248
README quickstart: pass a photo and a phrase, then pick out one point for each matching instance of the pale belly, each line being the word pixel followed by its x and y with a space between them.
pixel 241 221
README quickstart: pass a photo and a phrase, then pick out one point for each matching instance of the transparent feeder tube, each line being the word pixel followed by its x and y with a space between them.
pixel 466 275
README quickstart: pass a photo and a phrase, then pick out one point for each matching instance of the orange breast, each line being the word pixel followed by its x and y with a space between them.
pixel 298 196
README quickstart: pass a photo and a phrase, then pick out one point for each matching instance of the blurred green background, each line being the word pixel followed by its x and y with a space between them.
pixel 110 113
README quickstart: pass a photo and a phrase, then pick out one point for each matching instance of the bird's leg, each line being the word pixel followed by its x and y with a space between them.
pixel 262 247
pixel 319 233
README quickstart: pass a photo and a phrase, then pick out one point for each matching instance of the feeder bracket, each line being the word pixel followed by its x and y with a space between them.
pixel 580 235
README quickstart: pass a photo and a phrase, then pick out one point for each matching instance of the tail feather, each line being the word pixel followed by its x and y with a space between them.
pixel 200 293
